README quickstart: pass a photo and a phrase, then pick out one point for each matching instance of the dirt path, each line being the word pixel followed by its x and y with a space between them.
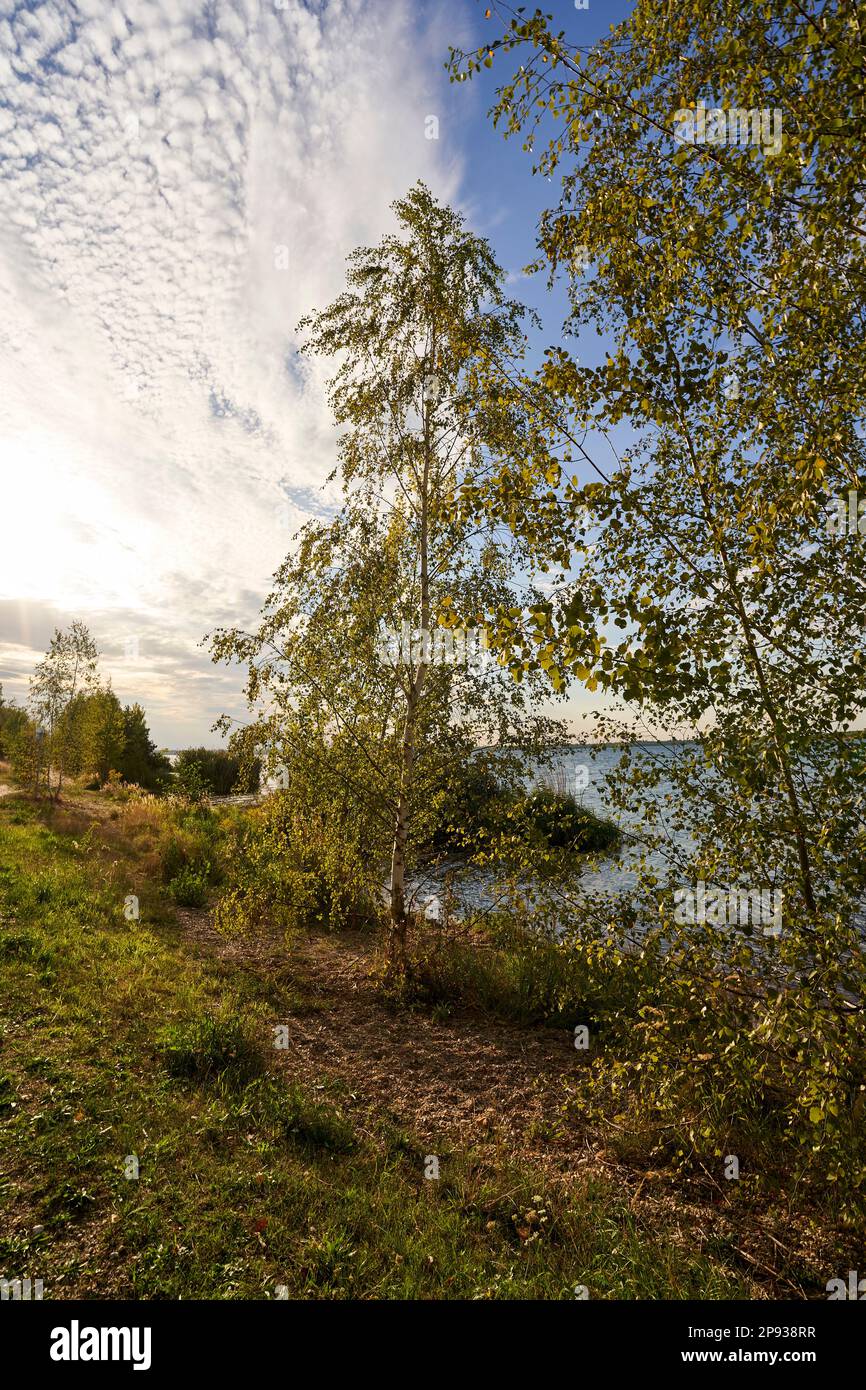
pixel 462 1080
pixel 467 1082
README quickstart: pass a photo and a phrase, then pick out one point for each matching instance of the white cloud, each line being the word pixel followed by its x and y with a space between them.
pixel 153 157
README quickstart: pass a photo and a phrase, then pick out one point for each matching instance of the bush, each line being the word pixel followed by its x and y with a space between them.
pixel 189 845
pixel 562 823
pixel 295 868
pixel 474 808
pixel 218 771
pixel 189 887
pixel 190 783
pixel 13 723
pixel 462 808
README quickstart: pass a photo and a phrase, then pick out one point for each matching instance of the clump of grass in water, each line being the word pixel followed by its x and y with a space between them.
pixel 562 823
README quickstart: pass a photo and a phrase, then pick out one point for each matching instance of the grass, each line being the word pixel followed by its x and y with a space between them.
pixel 561 822
pixel 209 1045
pixel 523 976
pixel 124 1051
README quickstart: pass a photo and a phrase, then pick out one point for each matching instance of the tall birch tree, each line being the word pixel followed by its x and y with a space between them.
pixel 357 670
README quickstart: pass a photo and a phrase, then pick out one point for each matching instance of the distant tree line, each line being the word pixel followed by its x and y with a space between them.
pixel 73 725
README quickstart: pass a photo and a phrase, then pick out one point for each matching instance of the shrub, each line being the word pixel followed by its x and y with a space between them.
pixel 217 770
pixel 189 887
pixel 562 823
pixel 294 868
pixel 460 808
pixel 474 808
pixel 190 783
pixel 188 847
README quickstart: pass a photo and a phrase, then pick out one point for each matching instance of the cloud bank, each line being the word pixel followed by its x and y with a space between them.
pixel 180 183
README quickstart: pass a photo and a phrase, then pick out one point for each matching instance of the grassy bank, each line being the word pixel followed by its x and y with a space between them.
pixel 129 1048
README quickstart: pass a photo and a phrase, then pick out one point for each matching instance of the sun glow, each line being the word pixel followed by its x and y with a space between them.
pixel 63 538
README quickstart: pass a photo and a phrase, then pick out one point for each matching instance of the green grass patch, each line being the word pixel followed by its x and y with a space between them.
pixel 153 1145
pixel 209 1045
pixel 188 888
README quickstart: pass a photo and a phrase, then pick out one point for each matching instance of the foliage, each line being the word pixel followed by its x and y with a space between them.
pixel 474 809
pixel 348 696
pixel 189 846
pixel 189 783
pixel 558 820
pixel 520 972
pixel 140 762
pixel 68 668
pixel 28 754
pixel 13 722
pixel 101 734
pixel 84 730
pixel 708 587
pixel 189 886
pixel 296 864
pixel 218 769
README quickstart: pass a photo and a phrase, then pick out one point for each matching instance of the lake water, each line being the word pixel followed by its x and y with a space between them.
pixel 581 772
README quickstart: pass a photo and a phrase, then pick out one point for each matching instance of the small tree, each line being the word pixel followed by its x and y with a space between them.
pixel 28 752
pixel 103 733
pixel 69 666
pixel 12 723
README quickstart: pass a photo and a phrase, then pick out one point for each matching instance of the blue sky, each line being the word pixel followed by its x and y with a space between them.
pixel 179 183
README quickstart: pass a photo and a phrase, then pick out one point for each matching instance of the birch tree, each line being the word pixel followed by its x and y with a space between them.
pixel 708 171
pixel 358 670
pixel 69 667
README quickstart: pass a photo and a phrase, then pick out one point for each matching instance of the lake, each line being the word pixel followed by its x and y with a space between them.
pixel 581 771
